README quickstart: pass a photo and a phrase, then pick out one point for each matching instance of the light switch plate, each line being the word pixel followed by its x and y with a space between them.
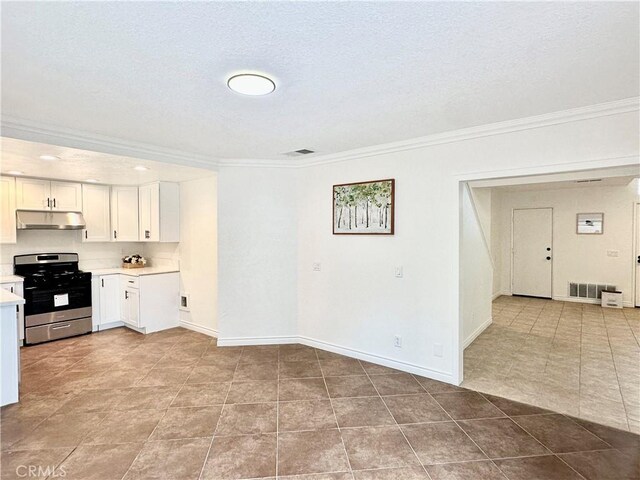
pixel 316 266
pixel 613 253
pixel 398 272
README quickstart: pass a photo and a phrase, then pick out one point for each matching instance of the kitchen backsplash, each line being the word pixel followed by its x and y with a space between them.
pixel 92 255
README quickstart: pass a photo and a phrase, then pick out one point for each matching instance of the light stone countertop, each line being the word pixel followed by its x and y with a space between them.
pixel 134 272
pixel 8 298
pixel 11 279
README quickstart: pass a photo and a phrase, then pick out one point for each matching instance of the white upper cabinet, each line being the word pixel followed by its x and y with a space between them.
pixel 159 206
pixel 33 194
pixel 37 194
pixel 7 210
pixel 66 196
pixel 96 212
pixel 124 214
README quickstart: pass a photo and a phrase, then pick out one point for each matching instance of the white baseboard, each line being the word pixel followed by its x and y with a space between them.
pixel 496 295
pixel 593 301
pixel 212 332
pixel 247 341
pixel 346 351
pixel 379 360
pixel 107 326
pixel 469 340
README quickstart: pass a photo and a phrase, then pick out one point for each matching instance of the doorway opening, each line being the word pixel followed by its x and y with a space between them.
pixel 533 327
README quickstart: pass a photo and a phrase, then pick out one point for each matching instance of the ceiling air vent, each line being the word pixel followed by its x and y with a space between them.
pixel 297 153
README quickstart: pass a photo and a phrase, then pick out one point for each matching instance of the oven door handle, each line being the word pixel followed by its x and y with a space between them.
pixel 58 327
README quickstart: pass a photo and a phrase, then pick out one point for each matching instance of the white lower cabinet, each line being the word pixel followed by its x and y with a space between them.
pixel 18 289
pixel 105 305
pixel 130 302
pixel 146 303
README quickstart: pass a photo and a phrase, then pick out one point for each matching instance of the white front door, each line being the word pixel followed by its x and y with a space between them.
pixel 532 252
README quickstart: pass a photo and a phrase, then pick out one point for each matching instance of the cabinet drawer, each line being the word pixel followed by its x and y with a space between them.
pixel 130 282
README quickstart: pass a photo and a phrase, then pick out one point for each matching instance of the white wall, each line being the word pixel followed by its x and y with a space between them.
pixel 196 253
pixel 579 258
pixel 355 304
pixel 476 274
pixel 92 255
pixel 257 252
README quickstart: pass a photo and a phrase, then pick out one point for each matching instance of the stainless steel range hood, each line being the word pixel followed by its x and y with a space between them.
pixel 48 220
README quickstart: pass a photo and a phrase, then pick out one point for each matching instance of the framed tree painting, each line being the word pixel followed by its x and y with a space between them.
pixel 364 208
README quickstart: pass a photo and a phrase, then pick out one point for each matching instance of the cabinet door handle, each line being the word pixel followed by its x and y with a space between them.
pixel 54 203
pixel 126 295
pixel 102 281
pixel 86 234
pixel 115 234
pixel 48 203
pixel 147 234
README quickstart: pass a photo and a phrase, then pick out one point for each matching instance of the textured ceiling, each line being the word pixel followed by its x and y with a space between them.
pixel 349 74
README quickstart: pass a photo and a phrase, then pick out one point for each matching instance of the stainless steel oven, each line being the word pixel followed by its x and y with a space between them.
pixel 57 296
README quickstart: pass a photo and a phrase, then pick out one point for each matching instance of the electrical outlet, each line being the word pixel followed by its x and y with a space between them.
pixel 612 253
pixel 437 349
pixel 316 266
pixel 399 272
pixel 397 341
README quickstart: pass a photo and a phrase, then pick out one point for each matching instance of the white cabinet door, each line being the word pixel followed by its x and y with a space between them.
pixel 33 194
pixel 7 210
pixel 109 299
pixel 133 304
pixel 124 214
pixel 96 212
pixel 130 306
pixel 66 196
pixel 149 208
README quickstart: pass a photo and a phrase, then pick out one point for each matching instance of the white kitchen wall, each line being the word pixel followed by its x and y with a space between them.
pixel 578 258
pixel 92 255
pixel 355 304
pixel 257 245
pixel 196 254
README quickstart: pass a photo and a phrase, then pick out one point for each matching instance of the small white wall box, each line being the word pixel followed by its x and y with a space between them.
pixel 611 299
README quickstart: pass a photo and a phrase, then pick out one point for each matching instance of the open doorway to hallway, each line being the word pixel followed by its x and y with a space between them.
pixel 544 338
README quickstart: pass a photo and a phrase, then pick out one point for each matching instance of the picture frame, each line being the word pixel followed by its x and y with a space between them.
pixel 364 208
pixel 590 223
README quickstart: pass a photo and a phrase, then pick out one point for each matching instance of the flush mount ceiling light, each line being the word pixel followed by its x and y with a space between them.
pixel 15 172
pixel 49 158
pixel 140 168
pixel 91 180
pixel 251 84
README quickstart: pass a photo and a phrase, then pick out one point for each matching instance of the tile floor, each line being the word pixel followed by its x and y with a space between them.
pixel 173 406
pixel 579 359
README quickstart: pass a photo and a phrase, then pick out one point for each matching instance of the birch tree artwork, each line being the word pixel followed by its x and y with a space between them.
pixel 364 208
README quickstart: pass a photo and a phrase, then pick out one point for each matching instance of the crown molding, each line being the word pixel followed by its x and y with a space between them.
pixel 626 105
pixel 38 132
pixel 21 129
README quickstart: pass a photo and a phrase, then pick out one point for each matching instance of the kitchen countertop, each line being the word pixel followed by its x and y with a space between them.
pixel 11 279
pixel 134 272
pixel 8 298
